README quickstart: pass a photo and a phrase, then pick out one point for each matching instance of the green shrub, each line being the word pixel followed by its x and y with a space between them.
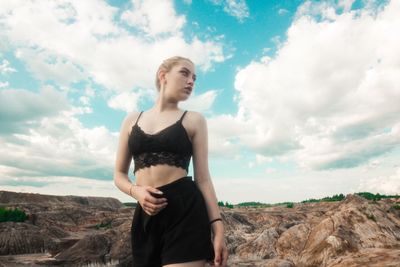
pixel 371 217
pixel 130 204
pixel 375 197
pixel 227 205
pixel 337 197
pixel 254 204
pixel 12 215
pixel 396 207
pixel 106 225
pixel 325 199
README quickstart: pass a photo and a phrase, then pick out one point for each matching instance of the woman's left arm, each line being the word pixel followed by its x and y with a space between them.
pixel 205 185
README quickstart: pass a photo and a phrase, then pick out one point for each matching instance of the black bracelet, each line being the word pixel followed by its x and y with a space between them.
pixel 218 219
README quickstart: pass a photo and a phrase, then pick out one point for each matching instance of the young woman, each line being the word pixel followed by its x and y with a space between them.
pixel 175 215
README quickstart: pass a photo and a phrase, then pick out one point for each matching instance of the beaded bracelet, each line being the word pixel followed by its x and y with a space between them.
pixel 218 219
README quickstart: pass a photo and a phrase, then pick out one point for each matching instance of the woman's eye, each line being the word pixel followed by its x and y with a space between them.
pixel 184 73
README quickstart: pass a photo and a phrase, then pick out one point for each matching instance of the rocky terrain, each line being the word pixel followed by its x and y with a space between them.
pixel 94 231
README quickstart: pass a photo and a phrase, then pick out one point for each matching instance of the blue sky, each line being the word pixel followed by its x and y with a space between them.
pixel 301 97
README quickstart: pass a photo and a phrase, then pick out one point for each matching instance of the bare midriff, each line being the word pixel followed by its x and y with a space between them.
pixel 159 175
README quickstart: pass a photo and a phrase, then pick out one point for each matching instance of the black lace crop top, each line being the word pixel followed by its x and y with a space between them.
pixel 170 146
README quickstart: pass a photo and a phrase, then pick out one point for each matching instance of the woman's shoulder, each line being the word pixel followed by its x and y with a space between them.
pixel 195 122
pixel 130 119
pixel 195 117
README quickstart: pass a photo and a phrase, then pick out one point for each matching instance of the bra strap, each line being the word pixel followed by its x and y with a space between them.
pixel 138 117
pixel 183 115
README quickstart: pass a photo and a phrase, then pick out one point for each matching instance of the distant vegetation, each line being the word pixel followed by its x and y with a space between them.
pixel 326 199
pixel 371 217
pixel 12 215
pixel 130 204
pixel 102 225
pixel 376 197
pixel 290 205
pixel 252 204
pixel 227 205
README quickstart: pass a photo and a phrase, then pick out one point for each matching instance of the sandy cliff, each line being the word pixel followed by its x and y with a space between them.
pixel 77 231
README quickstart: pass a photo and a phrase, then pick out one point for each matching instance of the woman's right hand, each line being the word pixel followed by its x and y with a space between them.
pixel 150 199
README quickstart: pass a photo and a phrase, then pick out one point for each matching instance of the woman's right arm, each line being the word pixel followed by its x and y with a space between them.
pixel 142 194
pixel 124 158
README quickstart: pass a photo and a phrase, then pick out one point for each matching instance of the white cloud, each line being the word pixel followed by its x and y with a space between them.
pixel 154 17
pixel 235 8
pixel 201 103
pixel 261 159
pixel 87 96
pixel 21 107
pixel 224 132
pixel 5 67
pixel 41 136
pixel 67 41
pixel 125 101
pixel 46 66
pixel 282 11
pixel 4 84
pixel 389 185
pixel 60 146
pixel 329 97
pixel 346 4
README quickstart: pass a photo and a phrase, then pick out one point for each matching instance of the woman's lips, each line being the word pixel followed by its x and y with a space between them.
pixel 188 89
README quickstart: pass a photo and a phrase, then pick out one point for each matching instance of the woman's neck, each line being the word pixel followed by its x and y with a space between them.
pixel 162 105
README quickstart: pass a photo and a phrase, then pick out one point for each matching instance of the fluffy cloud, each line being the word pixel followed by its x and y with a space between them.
pixel 282 11
pixel 5 67
pixel 125 101
pixel 330 95
pixel 224 134
pixel 41 136
pixel 389 185
pixel 4 84
pixel 60 146
pixel 68 37
pixel 21 108
pixel 46 66
pixel 154 17
pixel 200 103
pixel 235 8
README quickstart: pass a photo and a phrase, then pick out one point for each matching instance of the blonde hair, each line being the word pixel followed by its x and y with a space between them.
pixel 167 65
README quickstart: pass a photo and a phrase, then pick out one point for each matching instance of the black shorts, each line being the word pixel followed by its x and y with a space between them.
pixel 179 233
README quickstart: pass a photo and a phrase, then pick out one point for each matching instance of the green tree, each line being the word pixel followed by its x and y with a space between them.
pixel 12 215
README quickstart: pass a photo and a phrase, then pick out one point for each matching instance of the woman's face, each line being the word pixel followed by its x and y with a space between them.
pixel 179 81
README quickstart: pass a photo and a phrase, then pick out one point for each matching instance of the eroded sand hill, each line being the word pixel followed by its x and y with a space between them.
pixel 79 231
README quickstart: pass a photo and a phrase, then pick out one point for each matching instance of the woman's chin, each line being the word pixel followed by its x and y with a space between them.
pixel 185 97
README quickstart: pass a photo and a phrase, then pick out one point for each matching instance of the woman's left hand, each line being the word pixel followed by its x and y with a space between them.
pixel 220 250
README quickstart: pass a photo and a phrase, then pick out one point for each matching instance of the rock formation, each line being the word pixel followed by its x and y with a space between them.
pixel 79 231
